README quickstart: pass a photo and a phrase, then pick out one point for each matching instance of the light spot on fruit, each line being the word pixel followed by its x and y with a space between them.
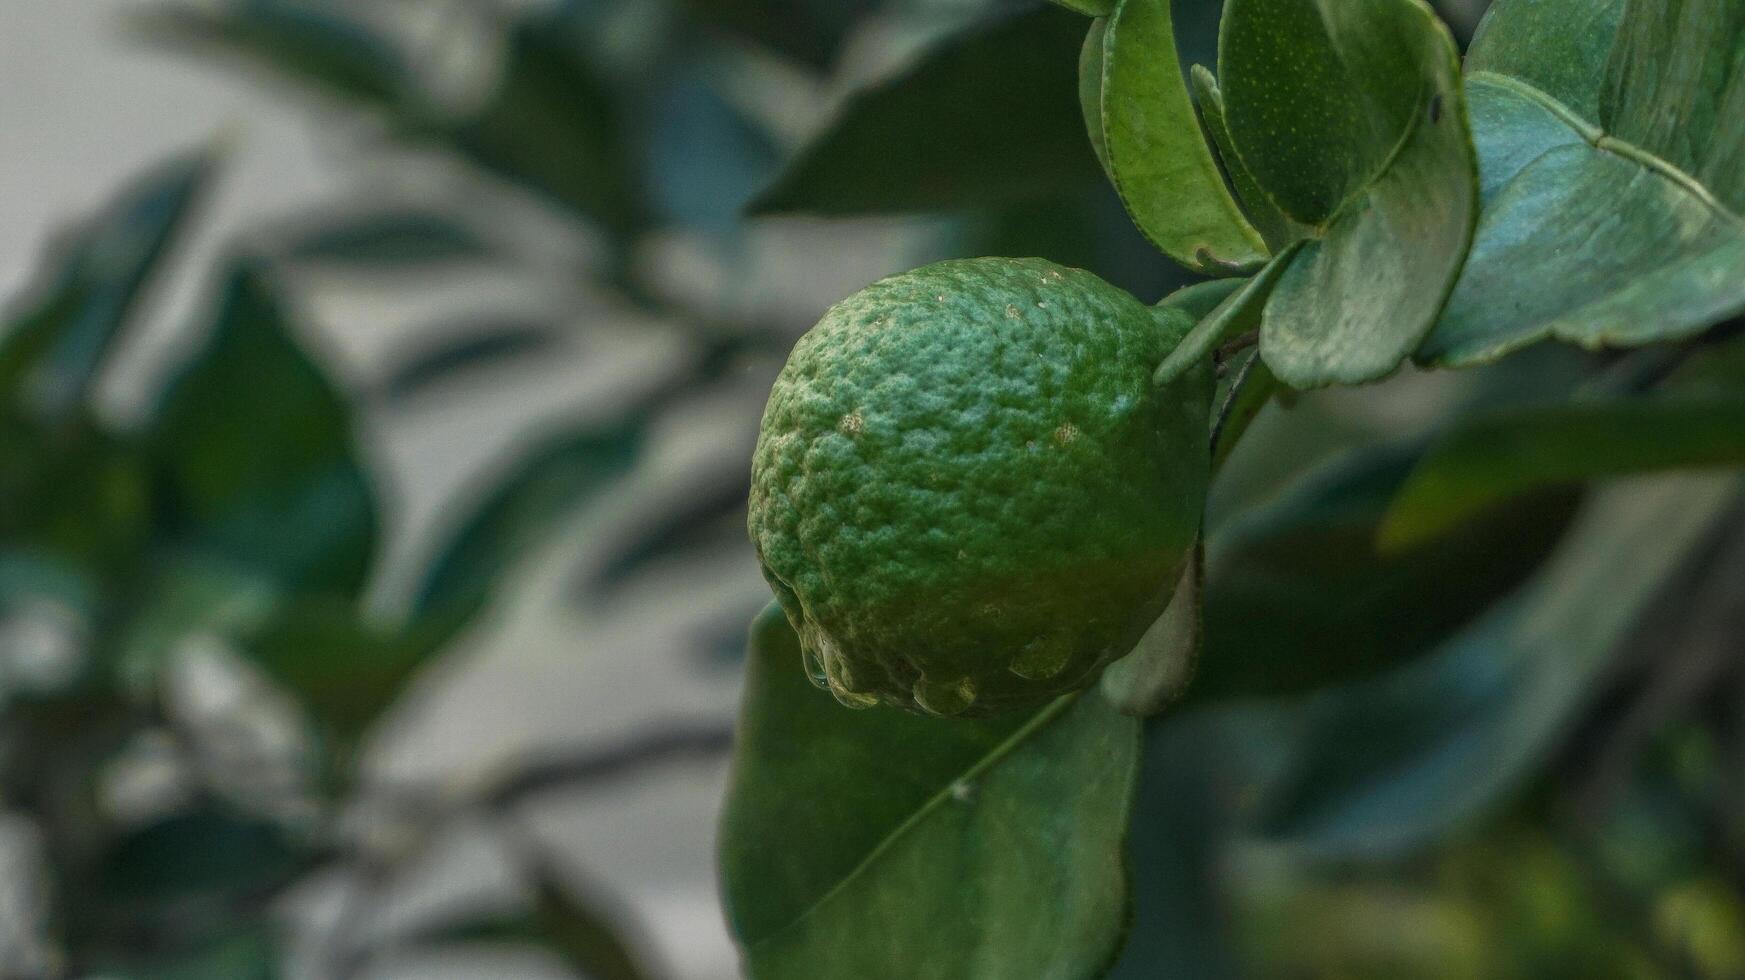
pixel 1066 433
pixel 1042 304
pixel 1012 311
pixel 852 424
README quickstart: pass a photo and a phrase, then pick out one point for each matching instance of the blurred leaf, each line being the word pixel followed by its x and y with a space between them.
pixel 389 239
pixel 550 126
pixel 705 158
pixel 74 492
pixel 850 838
pixel 694 521
pixel 1590 229
pixel 986 116
pixel 249 955
pixel 550 482
pixel 1159 668
pixel 56 346
pixel 1299 597
pixel 1157 155
pixel 344 669
pixel 185 595
pixel 1490 458
pixel 307 45
pixel 255 451
pixel 1389 764
pixel 808 31
pixel 486 344
pixel 1389 179
pixel 210 854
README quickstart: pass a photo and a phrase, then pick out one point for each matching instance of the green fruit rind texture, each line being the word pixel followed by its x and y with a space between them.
pixel 967 493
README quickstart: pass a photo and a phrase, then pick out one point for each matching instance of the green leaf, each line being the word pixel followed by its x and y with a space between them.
pixel 1393 763
pixel 1299 597
pixel 1238 313
pixel 550 126
pixel 56 347
pixel 716 506
pixel 1145 681
pixel 248 955
pixel 388 239
pixel 1350 117
pixel 333 55
pixel 850 839
pixel 206 853
pixel 1157 156
pixel 1090 8
pixel 1274 227
pixel 1251 390
pixel 1488 459
pixel 809 31
pixel 74 492
pixel 1591 229
pixel 986 116
pixel 484 345
pixel 254 451
pixel 549 482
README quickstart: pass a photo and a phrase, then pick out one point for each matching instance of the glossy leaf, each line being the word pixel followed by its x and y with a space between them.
pixel 1491 458
pixel 1388 176
pixel 850 839
pixel 254 450
pixel 1589 235
pixel 56 347
pixel 1156 154
pixel 548 483
pixel 1398 761
pixel 1298 596
pixel 985 116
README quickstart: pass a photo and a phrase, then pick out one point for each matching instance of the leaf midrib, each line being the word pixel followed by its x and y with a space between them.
pixel 993 758
pixel 1599 139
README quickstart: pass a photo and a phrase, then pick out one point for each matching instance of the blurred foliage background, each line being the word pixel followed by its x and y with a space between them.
pixel 360 572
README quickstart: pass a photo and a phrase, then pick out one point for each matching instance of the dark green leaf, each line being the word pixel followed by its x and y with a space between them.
pixel 1156 154
pixel 809 31
pixel 484 345
pixel 73 492
pixel 850 839
pixel 1491 458
pixel 1392 763
pixel 56 347
pixel 696 521
pixel 550 126
pixel 249 955
pixel 1586 235
pixel 1298 596
pixel 389 239
pixel 551 481
pixel 1351 118
pixel 1090 8
pixel 1238 313
pixel 1200 299
pixel 986 116
pixel 1159 668
pixel 1251 389
pixel 255 452
pixel 209 853
pixel 331 54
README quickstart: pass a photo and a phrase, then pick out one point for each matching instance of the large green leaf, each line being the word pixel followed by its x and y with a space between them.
pixel 1154 150
pixel 388 239
pixel 254 450
pixel 878 843
pixel 56 346
pixel 986 116
pixel 1350 117
pixel 1490 458
pixel 1612 201
pixel 1394 762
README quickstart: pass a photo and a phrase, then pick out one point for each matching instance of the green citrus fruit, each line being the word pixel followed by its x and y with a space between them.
pixel 967 494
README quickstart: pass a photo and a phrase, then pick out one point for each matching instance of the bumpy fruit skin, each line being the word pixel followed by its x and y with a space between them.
pixel 967 493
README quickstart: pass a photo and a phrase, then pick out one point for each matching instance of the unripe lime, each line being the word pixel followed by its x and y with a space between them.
pixel 968 494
